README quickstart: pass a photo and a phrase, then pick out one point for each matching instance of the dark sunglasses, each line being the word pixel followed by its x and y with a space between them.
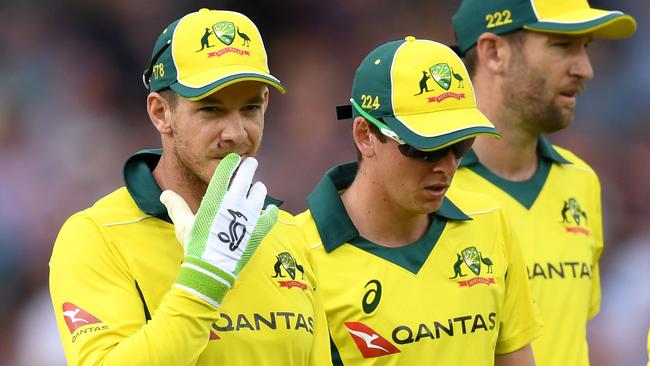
pixel 459 149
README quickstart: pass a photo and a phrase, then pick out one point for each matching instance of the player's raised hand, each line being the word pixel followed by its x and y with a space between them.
pixel 226 230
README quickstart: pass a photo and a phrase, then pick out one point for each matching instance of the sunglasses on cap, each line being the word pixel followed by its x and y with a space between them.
pixel 459 149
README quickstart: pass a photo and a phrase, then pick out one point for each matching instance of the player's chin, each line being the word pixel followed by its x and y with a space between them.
pixel 430 205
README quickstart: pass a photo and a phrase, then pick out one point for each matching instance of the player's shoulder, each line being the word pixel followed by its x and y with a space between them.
pixel 116 207
pixel 286 223
pixel 308 226
pixel 574 161
pixel 286 218
pixel 304 217
pixel 472 203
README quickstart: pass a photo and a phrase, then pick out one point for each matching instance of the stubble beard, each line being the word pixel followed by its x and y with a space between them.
pixel 189 165
pixel 526 94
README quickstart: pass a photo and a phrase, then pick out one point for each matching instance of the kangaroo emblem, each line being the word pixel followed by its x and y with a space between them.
pixel 236 229
pixel 205 41
pixel 288 262
pixel 72 315
pixel 458 271
pixel 246 39
pixel 423 83
pixel 573 207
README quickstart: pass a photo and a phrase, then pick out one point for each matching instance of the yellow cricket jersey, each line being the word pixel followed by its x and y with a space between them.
pixel 457 296
pixel 557 216
pixel 111 276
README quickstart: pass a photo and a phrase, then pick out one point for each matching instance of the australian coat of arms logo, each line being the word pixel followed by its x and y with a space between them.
pixel 471 259
pixel 226 32
pixel 573 217
pixel 444 76
pixel 287 266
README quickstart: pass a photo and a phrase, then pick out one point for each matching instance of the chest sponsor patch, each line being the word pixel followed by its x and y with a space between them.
pixel 369 342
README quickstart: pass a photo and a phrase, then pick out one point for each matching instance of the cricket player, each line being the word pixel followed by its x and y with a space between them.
pixel 408 275
pixel 126 292
pixel 528 60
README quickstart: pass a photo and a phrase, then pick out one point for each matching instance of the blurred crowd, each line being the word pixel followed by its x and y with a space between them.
pixel 72 109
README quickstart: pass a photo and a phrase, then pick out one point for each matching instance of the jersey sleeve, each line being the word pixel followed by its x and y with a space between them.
pixel 520 320
pixel 100 314
pixel 597 229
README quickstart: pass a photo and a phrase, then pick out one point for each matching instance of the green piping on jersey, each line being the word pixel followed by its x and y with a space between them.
pixel 410 257
pixel 143 188
pixel 336 356
pixel 525 192
pixel 336 228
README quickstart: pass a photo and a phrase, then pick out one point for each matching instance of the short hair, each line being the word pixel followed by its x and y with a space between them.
pixel 170 96
pixel 470 59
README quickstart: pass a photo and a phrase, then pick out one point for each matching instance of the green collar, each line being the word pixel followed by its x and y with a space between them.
pixel 142 186
pixel 331 218
pixel 525 192
pixel 544 149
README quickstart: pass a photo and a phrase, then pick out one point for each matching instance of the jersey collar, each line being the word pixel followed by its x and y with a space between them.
pixel 544 149
pixel 143 188
pixel 331 218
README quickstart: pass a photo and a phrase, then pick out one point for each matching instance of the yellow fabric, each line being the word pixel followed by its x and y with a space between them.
pixel 452 97
pixel 548 9
pixel 561 254
pixel 235 47
pixel 484 318
pixel 567 12
pixel 102 251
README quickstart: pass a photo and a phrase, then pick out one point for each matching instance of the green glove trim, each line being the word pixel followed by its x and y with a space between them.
pixel 207 281
pixel 211 203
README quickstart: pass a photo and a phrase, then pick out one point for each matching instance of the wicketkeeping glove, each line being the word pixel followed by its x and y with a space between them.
pixel 226 230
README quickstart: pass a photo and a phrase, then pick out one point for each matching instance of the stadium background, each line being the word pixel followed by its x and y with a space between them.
pixel 72 109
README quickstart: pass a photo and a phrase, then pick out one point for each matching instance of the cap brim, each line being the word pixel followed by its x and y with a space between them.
pixel 430 131
pixel 195 87
pixel 601 23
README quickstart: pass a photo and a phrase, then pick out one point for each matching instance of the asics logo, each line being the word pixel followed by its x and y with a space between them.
pixel 236 231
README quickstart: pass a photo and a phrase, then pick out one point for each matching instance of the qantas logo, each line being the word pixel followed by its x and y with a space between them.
pixel 369 342
pixel 76 317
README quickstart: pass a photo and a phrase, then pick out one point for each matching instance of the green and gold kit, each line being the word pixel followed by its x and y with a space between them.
pixel 457 296
pixel 111 276
pixel 557 216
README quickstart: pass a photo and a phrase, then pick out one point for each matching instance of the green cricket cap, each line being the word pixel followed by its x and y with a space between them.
pixel 474 17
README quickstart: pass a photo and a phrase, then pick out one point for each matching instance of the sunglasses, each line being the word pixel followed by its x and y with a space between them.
pixel 459 148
